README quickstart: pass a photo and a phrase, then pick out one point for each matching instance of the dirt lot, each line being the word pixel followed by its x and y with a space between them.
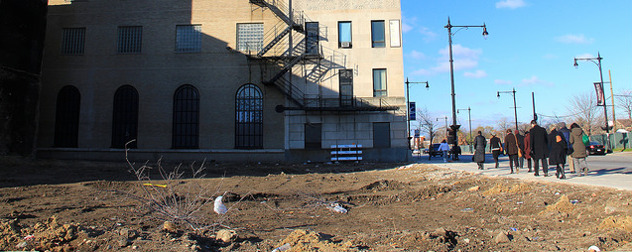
pixel 91 206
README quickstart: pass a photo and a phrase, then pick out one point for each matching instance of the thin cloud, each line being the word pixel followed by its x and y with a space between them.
pixel 408 23
pixel 464 59
pixel 574 39
pixel 503 82
pixel 417 55
pixel 428 34
pixel 585 55
pixel 476 75
pixel 534 80
pixel 510 4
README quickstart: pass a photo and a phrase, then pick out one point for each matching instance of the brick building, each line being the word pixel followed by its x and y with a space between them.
pixel 233 80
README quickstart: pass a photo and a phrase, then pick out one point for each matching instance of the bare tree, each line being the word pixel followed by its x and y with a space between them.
pixel 586 113
pixel 624 101
pixel 426 123
pixel 503 125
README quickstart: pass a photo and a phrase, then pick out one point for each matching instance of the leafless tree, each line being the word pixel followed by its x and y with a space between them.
pixel 426 123
pixel 585 112
pixel 503 125
pixel 624 101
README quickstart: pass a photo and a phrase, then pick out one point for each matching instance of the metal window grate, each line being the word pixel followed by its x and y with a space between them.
pixel 250 37
pixel 249 117
pixel 130 39
pixel 186 118
pixel 125 117
pixel 67 117
pixel 73 40
pixel 188 38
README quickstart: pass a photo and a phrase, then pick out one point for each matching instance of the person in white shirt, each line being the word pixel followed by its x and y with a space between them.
pixel 445 148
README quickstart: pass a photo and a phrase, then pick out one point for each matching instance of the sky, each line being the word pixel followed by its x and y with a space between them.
pixel 530 48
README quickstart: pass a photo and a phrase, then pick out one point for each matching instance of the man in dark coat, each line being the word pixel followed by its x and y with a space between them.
pixel 521 147
pixel 557 154
pixel 479 147
pixel 567 135
pixel 496 147
pixel 511 149
pixel 539 148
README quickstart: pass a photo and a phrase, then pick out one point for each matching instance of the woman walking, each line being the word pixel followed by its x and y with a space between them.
pixel 558 148
pixel 496 147
pixel 479 153
pixel 579 150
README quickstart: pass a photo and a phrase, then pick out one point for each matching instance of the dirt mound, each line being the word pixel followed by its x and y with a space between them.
pixel 304 240
pixel 614 222
pixel 563 205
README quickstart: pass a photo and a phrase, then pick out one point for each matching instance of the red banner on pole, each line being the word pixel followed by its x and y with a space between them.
pixel 600 96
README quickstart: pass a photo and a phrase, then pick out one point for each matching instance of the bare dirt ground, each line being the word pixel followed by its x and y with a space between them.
pixel 94 206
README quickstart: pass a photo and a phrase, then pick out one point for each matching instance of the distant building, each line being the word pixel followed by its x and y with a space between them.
pixel 231 80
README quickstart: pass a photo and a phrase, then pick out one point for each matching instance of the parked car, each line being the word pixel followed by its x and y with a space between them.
pixel 595 148
pixel 434 150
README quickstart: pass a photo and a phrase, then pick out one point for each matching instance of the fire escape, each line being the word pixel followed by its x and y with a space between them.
pixel 294 53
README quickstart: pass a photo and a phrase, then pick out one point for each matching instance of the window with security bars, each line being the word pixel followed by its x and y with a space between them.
pixel 186 118
pixel 249 117
pixel 188 38
pixel 379 82
pixel 73 40
pixel 130 39
pixel 250 37
pixel 67 117
pixel 125 117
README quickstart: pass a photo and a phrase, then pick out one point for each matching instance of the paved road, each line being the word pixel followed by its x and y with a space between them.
pixel 613 170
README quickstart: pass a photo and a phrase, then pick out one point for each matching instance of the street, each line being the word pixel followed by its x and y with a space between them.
pixel 612 170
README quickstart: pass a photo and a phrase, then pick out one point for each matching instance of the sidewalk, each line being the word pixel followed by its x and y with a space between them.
pixel 598 176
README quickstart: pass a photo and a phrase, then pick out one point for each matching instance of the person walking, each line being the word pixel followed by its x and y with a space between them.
pixel 527 149
pixel 539 148
pixel 567 135
pixel 520 139
pixel 511 149
pixel 579 150
pixel 479 150
pixel 557 155
pixel 495 146
pixel 444 148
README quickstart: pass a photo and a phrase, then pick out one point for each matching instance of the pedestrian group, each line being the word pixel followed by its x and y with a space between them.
pixel 555 148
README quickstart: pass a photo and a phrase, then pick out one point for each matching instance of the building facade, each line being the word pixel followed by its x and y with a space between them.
pixel 229 80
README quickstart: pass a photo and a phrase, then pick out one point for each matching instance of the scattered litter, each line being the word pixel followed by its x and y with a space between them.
pixel 557 193
pixel 593 249
pixel 336 208
pixel 156 185
pixel 513 229
pixel 21 245
pixel 574 201
pixel 219 207
pixel 28 237
pixel 282 248
pixel 520 202
pixel 469 209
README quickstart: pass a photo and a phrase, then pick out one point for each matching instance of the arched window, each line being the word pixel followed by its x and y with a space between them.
pixel 186 111
pixel 125 117
pixel 67 117
pixel 249 117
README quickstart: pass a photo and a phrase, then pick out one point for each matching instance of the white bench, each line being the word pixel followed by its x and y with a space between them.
pixel 346 152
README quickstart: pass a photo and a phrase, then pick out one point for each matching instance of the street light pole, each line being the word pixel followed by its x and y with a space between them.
pixel 605 108
pixel 512 92
pixel 469 120
pixel 449 26
pixel 408 105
